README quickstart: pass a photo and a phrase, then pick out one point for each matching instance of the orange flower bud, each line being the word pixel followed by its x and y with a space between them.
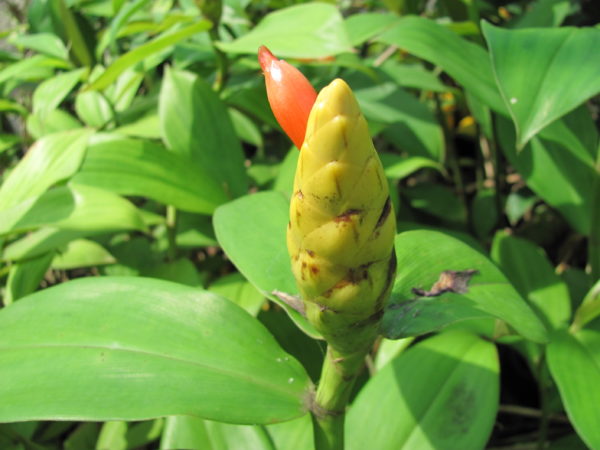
pixel 290 95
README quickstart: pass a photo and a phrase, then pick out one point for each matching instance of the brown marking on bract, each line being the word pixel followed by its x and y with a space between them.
pixel 310 253
pixel 385 212
pixel 449 281
pixel 299 194
pixel 347 215
pixel 314 269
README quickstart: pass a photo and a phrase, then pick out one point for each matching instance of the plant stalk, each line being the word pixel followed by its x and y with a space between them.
pixel 328 413
pixel 171 223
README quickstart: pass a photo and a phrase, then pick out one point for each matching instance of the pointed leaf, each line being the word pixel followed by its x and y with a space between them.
pixel 422 256
pixel 251 231
pixel 134 348
pixel 574 362
pixel 312 30
pixel 195 123
pixel 442 393
pixel 543 73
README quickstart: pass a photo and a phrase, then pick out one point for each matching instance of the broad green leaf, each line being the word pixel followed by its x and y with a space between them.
pixel 543 73
pixel 398 167
pixel 456 56
pixel 93 108
pixel 284 182
pixel 146 50
pixel 422 256
pixel 141 168
pixel 49 94
pixel 50 160
pixel 437 200
pixel 527 267
pixel 134 348
pixel 296 434
pixel 484 212
pixel 73 207
pixel 543 13
pixel 45 43
pixel 364 26
pixel 557 164
pixel 413 76
pixel 8 141
pixel 38 67
pixel 258 247
pixel 51 122
pixel 195 123
pixel 574 362
pixel 234 287
pixel 41 241
pixel 589 308
pixel 413 126
pixel 389 349
pixel 120 19
pixel 82 253
pixel 145 127
pixel 193 433
pixel 182 271
pixel 442 393
pixel 312 30
pixel 24 277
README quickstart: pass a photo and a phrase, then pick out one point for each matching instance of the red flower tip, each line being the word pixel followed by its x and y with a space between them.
pixel 290 95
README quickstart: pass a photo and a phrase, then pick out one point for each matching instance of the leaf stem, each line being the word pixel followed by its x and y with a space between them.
pixel 328 413
pixel 171 222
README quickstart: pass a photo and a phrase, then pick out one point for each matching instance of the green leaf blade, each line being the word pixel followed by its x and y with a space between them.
pixel 134 348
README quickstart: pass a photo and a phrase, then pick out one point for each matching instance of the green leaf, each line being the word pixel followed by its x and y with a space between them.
pixel 258 248
pixel 527 267
pixel 73 207
pixel 589 308
pixel 399 167
pixel 50 160
pixel 413 126
pixel 35 68
pixel 120 19
pixel 543 73
pixel 144 51
pixel 558 165
pixel 141 168
pixel 413 76
pixel 195 123
pixel 312 30
pixel 543 13
pixel 82 253
pixel 49 94
pixel 46 43
pixel 296 434
pixel 51 122
pixel 196 434
pixel 134 348
pixel 422 256
pixel 437 200
pixel 574 363
pixel 442 393
pixel 93 108
pixel 434 43
pixel 73 33
pixel 39 242
pixel 234 287
pixel 25 277
pixel 364 26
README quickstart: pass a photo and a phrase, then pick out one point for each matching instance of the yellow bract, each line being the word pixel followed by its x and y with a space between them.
pixel 341 231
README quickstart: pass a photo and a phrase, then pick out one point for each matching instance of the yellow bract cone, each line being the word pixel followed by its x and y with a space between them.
pixel 342 227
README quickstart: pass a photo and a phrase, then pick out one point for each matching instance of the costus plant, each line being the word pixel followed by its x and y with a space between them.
pixel 340 235
pixel 416 267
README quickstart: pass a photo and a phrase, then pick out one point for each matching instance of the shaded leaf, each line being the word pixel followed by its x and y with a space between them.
pixel 422 256
pixel 442 393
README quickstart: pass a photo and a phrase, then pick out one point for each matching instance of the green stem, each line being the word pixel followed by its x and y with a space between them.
pixel 594 239
pixel 544 405
pixel 222 62
pixel 337 379
pixel 171 222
